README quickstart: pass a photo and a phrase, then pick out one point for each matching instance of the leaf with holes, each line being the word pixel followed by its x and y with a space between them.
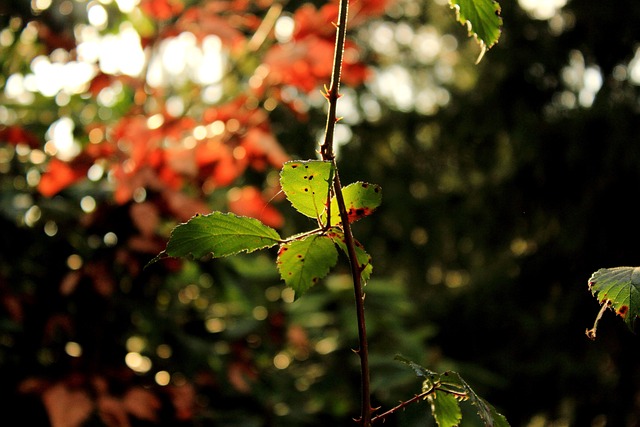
pixel 364 259
pixel 302 263
pixel 619 289
pixel 482 19
pixel 217 235
pixel 451 383
pixel 360 200
pixel 306 185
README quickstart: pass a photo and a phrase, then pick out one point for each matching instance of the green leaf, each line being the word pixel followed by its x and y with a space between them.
pixel 445 409
pixel 482 19
pixel 364 259
pixel 218 234
pixel 306 185
pixel 451 383
pixel 302 263
pixel 619 289
pixel 486 411
pixel 360 200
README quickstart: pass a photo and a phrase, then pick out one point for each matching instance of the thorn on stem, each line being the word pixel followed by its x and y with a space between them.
pixel 325 92
pixel 335 24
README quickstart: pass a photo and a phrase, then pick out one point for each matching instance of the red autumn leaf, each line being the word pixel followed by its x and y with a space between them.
pixel 12 306
pixel 112 411
pixel 162 9
pixel 262 147
pixel 306 64
pixel 182 161
pixel 239 375
pixel 204 20
pixel 67 407
pixel 59 175
pixel 240 109
pixel 290 64
pixel 145 217
pixel 146 163
pixel 370 8
pixel 248 201
pixel 99 273
pixel 216 163
pixel 53 38
pixel 18 135
pixel 142 404
pixel 69 282
pixel 359 10
pixel 183 398
pixel 182 206
pixel 128 183
pixel 311 21
pixel 99 82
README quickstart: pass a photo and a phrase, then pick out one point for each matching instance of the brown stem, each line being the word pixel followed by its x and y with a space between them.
pixel 326 150
pixel 333 93
pixel 402 405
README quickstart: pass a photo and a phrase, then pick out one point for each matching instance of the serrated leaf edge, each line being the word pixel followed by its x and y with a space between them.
pixel 472 33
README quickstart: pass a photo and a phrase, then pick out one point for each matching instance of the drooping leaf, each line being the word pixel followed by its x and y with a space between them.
pixel 302 263
pixel 451 383
pixel 445 409
pixel 364 259
pixel 360 200
pixel 485 410
pixel 482 19
pixel 219 234
pixel 306 185
pixel 619 289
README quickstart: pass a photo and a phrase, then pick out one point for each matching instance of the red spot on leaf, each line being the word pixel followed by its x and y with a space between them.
pixel 623 310
pixel 355 214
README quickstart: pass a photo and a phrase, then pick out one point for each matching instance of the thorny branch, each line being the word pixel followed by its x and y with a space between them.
pixel 326 150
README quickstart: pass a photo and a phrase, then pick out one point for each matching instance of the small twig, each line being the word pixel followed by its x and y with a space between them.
pixel 402 405
pixel 591 333
pixel 265 27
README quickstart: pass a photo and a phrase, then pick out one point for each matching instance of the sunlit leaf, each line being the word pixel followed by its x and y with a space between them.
pixel 364 259
pixel 482 19
pixel 451 382
pixel 445 409
pixel 619 289
pixel 218 234
pixel 306 185
pixel 360 199
pixel 302 263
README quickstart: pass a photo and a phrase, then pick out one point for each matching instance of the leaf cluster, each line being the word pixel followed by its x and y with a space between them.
pixel 303 259
pixel 444 392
